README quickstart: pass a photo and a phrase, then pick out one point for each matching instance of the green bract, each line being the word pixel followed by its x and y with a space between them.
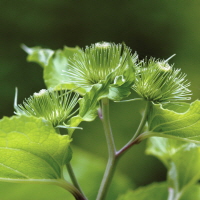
pixel 54 106
pixel 157 81
pixel 103 62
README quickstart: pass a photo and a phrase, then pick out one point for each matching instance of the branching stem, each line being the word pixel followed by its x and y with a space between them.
pixel 113 155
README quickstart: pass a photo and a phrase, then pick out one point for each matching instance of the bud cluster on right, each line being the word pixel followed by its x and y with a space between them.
pixel 158 82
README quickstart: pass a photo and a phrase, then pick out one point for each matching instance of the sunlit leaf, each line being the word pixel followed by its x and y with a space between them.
pixel 85 170
pixel 24 191
pixel 173 123
pixel 31 150
pixel 179 107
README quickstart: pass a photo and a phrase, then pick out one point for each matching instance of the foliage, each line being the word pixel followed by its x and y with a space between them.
pixel 80 84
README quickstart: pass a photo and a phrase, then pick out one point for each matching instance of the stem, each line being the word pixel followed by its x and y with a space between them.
pixel 172 195
pixel 73 190
pixel 112 158
pixel 137 133
pixel 73 178
pixel 113 155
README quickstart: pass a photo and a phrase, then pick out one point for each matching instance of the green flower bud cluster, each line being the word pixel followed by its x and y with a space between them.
pixel 98 61
pixel 157 81
pixel 54 106
pixel 108 70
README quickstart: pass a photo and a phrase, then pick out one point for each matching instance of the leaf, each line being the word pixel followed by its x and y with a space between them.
pixel 180 158
pixel 117 93
pixel 177 107
pixel 184 168
pixel 122 85
pixel 163 148
pixel 53 62
pixel 159 191
pixel 38 55
pixel 85 171
pixel 31 150
pixel 24 191
pixel 53 73
pixel 89 105
pixel 155 191
pixel 192 193
pixel 171 124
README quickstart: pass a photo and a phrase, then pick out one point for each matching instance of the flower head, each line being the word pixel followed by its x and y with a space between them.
pixel 98 61
pixel 54 106
pixel 157 81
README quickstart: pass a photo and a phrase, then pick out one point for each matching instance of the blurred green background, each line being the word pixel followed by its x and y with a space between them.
pixel 157 28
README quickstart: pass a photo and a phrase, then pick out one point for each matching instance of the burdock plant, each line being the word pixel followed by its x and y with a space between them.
pixel 80 83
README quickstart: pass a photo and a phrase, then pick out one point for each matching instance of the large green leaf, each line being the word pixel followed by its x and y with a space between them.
pixel 180 158
pixel 89 175
pixel 24 191
pixel 172 123
pixel 31 150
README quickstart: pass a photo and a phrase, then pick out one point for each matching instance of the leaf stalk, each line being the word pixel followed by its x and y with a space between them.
pixel 73 178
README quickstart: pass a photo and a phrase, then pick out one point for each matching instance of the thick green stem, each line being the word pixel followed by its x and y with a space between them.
pixel 73 178
pixel 112 159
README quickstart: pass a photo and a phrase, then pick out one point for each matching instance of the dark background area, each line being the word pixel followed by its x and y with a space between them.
pixel 157 28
